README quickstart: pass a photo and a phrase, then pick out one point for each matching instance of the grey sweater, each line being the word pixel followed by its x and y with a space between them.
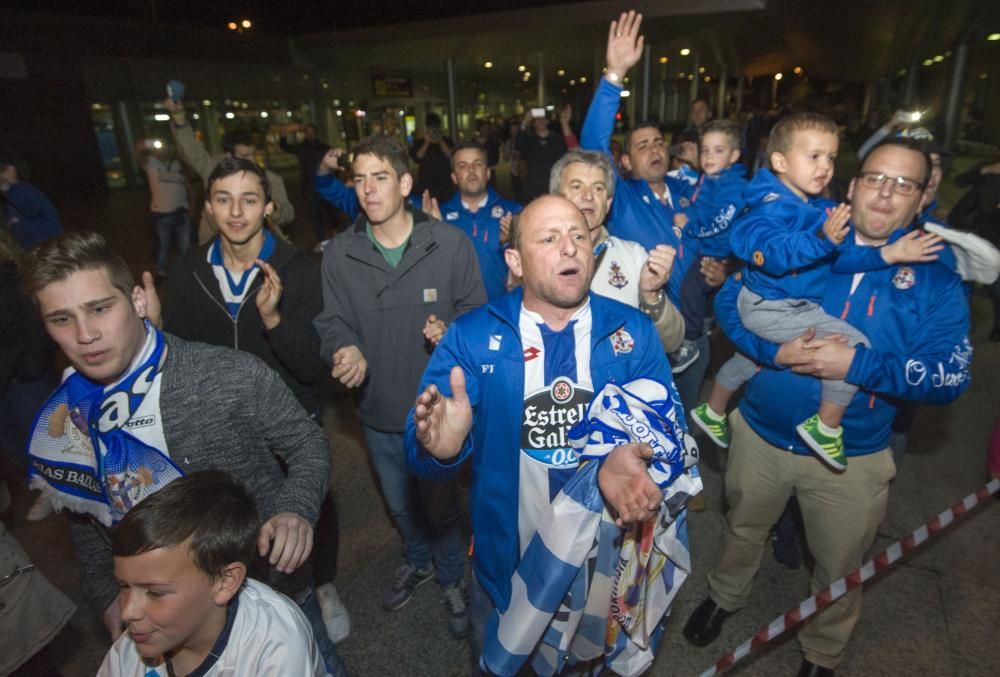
pixel 226 410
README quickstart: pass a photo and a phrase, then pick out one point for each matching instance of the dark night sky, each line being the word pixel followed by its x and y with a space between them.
pixel 276 16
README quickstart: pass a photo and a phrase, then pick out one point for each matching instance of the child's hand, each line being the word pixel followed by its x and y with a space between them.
pixel 835 227
pixel 916 246
pixel 680 220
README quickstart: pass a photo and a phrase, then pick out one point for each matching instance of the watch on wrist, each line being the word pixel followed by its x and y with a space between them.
pixel 653 309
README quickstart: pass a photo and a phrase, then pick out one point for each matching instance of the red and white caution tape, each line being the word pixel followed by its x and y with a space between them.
pixel 854 579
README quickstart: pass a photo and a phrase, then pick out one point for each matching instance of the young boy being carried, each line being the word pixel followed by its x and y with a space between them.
pixel 789 240
pixel 181 559
pixel 716 201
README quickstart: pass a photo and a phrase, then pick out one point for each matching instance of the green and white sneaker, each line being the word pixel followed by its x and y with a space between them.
pixel 829 447
pixel 712 424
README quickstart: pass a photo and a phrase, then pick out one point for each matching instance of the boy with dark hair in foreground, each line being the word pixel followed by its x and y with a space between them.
pixel 181 559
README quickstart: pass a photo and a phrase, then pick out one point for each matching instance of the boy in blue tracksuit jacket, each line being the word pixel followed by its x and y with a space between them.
pixel 713 204
pixel 789 244
pixel 487 344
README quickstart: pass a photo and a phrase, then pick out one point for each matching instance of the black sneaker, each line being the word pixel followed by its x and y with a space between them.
pixel 408 579
pixel 456 601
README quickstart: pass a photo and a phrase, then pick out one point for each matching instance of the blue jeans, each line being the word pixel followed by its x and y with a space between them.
pixel 327 649
pixel 425 512
pixel 176 227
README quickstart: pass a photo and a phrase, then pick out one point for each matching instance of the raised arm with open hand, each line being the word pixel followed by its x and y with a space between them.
pixel 443 422
pixel 624 44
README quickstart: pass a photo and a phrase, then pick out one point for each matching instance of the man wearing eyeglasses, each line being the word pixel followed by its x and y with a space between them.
pixel 916 319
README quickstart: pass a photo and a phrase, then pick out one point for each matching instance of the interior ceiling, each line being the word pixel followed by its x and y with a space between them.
pixel 853 40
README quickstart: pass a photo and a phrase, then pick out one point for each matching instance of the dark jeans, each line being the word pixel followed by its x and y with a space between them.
pixel 173 227
pixel 688 382
pixel 694 301
pixel 327 649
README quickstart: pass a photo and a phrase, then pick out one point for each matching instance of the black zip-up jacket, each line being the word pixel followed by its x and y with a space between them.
pixel 195 310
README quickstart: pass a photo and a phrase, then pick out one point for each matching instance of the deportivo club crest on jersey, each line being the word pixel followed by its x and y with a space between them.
pixel 616 278
pixel 904 278
pixel 497 212
pixel 622 342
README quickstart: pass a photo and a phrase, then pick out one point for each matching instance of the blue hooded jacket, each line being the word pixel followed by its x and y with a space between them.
pixel 715 203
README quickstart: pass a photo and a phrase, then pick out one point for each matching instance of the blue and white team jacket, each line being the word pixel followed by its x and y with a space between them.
pixel 514 419
pixel 917 319
pixel 636 214
pixel 483 228
pixel 713 204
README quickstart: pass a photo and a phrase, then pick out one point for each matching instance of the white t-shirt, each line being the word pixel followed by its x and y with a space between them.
pixel 557 390
pixel 269 637
pixel 617 275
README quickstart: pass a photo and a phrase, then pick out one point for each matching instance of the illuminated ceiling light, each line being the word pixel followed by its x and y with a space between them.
pixel 701 70
pixel 993 37
pixel 583 79
pixel 161 117
pixel 521 69
pixel 685 51
pixel 196 116
pixel 983 76
pixel 626 93
pixel 232 26
pixel 708 79
pixel 691 77
pixel 625 79
pixel 360 113
pixel 246 23
pixel 938 58
pixel 288 113
pixel 157 143
pixel 664 59
pixel 560 72
pixel 928 62
pixel 681 75
pixel 339 113
pixel 244 105
pixel 488 64
pixel 797 70
pixel 230 115
pixel 402 112
pixel 778 76
pixel 550 108
pixel 263 113
pixel 572 82
pixel 206 102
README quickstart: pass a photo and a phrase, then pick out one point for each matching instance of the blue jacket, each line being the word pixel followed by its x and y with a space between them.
pixel 483 228
pixel 917 320
pixel 715 203
pixel 781 239
pixel 31 216
pixel 636 214
pixel 486 343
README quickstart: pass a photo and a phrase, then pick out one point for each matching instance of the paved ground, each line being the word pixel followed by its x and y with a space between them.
pixel 933 614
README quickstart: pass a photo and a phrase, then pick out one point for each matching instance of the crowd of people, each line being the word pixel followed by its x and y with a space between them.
pixel 553 344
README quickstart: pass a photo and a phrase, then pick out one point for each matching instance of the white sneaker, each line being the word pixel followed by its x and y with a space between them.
pixel 335 616
pixel 41 509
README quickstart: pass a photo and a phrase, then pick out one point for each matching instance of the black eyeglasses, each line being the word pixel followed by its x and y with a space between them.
pixel 900 184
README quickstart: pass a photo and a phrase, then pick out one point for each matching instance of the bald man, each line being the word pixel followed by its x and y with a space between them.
pixel 510 379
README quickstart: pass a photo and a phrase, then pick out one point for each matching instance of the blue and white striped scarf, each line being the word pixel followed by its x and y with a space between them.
pixel 88 451
pixel 584 588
